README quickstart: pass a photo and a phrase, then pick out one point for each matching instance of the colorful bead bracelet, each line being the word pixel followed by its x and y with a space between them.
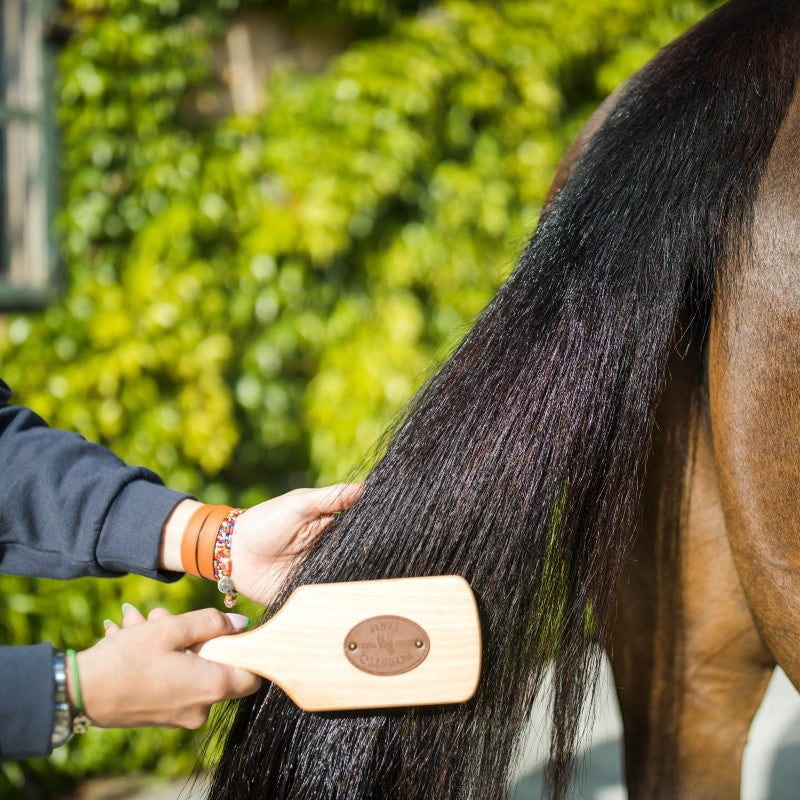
pixel 222 557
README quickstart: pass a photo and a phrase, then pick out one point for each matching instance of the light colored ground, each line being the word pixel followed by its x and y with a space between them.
pixel 771 768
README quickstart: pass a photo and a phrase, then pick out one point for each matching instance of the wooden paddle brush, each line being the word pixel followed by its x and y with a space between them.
pixel 366 644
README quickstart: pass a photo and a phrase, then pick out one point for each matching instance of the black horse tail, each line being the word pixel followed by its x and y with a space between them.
pixel 519 466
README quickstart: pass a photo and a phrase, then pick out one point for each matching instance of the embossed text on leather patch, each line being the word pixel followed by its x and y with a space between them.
pixel 387 645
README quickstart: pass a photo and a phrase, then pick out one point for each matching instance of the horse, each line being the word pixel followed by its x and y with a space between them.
pixel 609 456
pixel 708 602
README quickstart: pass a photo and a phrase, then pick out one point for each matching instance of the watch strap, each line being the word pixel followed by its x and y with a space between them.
pixel 62 714
pixel 65 724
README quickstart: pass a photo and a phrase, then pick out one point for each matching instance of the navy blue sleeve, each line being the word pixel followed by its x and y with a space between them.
pixel 67 508
pixel 26 701
pixel 70 508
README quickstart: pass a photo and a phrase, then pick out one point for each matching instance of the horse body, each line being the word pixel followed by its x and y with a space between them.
pixel 709 601
pixel 690 665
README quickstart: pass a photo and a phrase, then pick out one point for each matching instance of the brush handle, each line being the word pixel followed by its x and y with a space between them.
pixel 252 650
pixel 365 644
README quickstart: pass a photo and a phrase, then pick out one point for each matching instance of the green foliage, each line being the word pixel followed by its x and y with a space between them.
pixel 250 300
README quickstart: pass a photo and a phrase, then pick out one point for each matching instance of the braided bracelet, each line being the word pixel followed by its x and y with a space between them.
pixel 222 557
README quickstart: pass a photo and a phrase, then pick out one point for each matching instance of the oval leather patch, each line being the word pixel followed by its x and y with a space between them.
pixel 387 645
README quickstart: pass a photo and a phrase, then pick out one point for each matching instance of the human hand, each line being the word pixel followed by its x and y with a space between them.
pixel 269 537
pixel 145 674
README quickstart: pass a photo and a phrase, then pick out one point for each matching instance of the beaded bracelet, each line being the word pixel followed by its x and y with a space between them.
pixel 222 557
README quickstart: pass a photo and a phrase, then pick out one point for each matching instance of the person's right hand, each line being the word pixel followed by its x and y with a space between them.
pixel 146 675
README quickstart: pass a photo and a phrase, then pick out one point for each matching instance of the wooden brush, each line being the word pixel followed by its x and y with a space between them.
pixel 366 644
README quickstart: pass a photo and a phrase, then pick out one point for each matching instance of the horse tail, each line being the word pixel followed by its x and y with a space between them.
pixel 519 465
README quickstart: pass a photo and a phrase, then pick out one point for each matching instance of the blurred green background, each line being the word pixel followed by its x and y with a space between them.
pixel 273 219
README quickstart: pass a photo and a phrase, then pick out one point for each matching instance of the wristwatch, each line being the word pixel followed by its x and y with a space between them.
pixel 62 714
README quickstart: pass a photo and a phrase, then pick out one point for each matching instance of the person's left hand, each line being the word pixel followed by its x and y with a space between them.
pixel 147 672
pixel 268 537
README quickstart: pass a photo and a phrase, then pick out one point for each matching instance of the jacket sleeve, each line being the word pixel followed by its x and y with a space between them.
pixel 67 508
pixel 70 508
pixel 26 701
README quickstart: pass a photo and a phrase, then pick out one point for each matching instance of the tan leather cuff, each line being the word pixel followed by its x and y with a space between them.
pixel 189 540
pixel 208 538
pixel 199 537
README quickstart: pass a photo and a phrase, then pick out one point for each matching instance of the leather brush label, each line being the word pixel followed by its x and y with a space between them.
pixel 387 645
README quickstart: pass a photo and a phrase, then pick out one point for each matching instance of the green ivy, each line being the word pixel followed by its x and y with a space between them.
pixel 250 300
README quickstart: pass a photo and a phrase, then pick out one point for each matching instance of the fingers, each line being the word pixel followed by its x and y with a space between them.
pixel 335 498
pixel 194 627
pixel 132 616
pixel 144 677
pixel 241 683
pixel 186 629
pixel 313 530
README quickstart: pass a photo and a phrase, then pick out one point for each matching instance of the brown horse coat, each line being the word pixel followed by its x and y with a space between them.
pixel 710 600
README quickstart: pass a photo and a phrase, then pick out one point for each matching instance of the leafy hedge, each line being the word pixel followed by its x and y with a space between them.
pixel 250 300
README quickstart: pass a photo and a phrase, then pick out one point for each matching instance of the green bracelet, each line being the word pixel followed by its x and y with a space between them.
pixel 73 660
pixel 80 722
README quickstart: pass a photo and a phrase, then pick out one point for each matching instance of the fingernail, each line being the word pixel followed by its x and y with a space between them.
pixel 107 623
pixel 240 621
pixel 126 607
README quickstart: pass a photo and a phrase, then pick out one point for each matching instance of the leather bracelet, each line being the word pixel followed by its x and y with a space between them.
pixel 199 536
pixel 189 541
pixel 195 558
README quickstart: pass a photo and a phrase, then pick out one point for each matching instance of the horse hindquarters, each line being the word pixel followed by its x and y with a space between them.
pixel 754 379
pixel 712 589
pixel 720 541
pixel 690 666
